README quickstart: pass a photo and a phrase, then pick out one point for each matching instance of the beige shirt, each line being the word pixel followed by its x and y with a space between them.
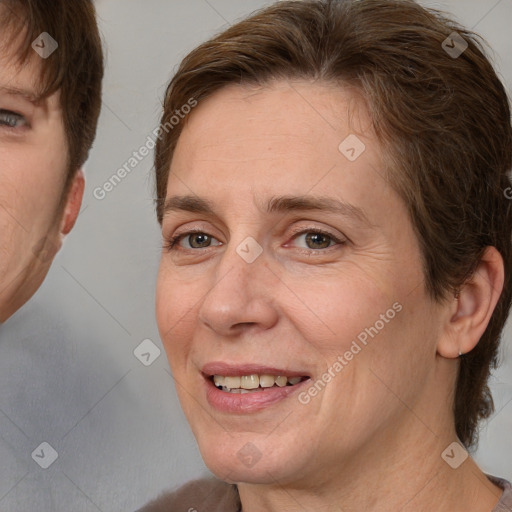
pixel 215 496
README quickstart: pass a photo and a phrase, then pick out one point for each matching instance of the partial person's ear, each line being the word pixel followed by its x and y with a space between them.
pixel 73 203
pixel 471 309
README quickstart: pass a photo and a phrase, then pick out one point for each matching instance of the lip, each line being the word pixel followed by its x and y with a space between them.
pixel 232 370
pixel 246 403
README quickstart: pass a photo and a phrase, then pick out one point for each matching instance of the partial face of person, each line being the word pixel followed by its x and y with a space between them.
pixel 33 166
pixel 290 294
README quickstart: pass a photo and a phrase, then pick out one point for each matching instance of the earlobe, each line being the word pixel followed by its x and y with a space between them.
pixel 471 310
pixel 73 203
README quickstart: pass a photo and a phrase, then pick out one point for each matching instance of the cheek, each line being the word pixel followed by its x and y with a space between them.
pixel 32 180
pixel 409 343
pixel 391 364
pixel 176 312
pixel 334 310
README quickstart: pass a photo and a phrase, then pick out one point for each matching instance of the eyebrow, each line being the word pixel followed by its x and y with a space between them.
pixel 195 204
pixel 24 93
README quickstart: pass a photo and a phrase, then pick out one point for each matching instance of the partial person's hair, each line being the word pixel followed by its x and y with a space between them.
pixel 75 68
pixel 443 123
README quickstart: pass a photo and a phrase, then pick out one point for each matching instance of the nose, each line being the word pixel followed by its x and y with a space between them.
pixel 240 298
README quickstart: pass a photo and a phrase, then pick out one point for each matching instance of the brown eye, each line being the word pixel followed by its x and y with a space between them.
pixel 192 240
pixel 318 240
pixel 199 240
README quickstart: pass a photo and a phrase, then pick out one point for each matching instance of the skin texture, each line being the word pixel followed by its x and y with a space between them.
pixel 382 422
pixel 34 215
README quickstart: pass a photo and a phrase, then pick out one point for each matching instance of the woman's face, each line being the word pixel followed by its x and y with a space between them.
pixel 287 253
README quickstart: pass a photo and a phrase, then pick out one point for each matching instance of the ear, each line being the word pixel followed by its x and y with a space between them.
pixel 73 203
pixel 470 312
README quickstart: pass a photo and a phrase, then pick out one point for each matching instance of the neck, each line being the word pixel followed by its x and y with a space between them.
pixel 400 473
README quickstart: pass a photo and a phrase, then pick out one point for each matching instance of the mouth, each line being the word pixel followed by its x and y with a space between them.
pixel 249 388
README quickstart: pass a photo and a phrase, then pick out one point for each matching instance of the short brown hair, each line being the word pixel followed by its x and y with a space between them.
pixel 75 68
pixel 443 122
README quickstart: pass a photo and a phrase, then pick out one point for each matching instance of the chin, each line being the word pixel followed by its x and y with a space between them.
pixel 244 459
pixel 235 472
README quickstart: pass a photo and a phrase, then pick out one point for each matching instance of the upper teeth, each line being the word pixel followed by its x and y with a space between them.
pixel 254 381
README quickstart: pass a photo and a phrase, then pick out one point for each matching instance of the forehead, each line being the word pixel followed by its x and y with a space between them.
pixel 244 146
pixel 20 66
pixel 275 133
pixel 323 109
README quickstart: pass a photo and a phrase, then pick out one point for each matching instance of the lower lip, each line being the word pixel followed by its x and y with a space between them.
pixel 238 403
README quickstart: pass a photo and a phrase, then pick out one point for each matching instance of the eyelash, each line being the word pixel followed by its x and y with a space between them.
pixel 170 244
pixel 316 231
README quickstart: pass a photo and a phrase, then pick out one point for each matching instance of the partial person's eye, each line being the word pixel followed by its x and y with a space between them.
pixel 11 119
pixel 316 239
pixel 192 240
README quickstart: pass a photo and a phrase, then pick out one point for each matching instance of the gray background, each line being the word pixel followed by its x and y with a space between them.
pixel 68 375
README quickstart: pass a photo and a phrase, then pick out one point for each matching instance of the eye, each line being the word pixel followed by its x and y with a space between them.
pixel 11 119
pixel 314 239
pixel 193 240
